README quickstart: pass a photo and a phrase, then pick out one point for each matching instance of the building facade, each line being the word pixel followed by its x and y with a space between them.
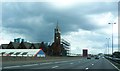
pixel 85 52
pixel 56 46
pixel 65 47
pixel 59 47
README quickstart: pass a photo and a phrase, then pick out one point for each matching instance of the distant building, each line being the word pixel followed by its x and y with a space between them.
pixel 25 45
pixel 65 47
pixel 59 47
pixel 56 46
pixel 19 40
pixel 13 45
pixel 23 52
pixel 85 52
pixel 4 46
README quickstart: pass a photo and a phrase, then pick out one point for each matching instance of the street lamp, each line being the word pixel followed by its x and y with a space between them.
pixel 108 44
pixel 112 35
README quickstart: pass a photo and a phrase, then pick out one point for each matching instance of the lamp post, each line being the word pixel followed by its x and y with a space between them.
pixel 112 35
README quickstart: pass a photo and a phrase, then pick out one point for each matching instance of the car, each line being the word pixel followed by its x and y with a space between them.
pixel 88 57
pixel 96 57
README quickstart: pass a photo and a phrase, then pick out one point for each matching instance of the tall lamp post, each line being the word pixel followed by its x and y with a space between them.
pixel 112 35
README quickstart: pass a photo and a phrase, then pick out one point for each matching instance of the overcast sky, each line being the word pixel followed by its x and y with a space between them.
pixel 83 24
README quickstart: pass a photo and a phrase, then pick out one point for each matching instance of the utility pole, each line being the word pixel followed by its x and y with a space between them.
pixel 112 35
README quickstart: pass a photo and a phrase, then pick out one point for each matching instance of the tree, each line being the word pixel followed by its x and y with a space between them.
pixel 116 54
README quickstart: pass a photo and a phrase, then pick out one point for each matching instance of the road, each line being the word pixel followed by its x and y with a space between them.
pixel 83 63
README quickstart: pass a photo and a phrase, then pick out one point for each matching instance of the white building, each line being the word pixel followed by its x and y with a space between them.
pixel 22 52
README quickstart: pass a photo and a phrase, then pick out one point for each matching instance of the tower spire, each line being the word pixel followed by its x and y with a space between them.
pixel 57 40
pixel 57 27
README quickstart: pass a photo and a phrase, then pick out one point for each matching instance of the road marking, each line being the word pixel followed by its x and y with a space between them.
pixel 113 65
pixel 11 67
pixel 38 64
pixel 30 65
pixel 57 62
pixel 86 68
pixel 92 64
pixel 55 67
pixel 71 63
pixel 45 63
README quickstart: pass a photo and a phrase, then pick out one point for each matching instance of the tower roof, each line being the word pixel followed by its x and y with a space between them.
pixel 57 27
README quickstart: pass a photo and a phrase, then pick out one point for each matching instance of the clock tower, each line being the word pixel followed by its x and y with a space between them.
pixel 57 35
pixel 57 39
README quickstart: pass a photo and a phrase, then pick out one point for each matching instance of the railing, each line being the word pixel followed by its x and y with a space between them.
pixel 117 60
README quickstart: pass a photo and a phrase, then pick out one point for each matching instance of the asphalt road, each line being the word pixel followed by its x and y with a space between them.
pixel 83 63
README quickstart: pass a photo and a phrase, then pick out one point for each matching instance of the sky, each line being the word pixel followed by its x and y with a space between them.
pixel 83 24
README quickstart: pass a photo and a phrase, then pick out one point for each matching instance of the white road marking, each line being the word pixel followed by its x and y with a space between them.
pixel 30 65
pixel 57 62
pixel 40 64
pixel 113 65
pixel 45 63
pixel 67 61
pixel 11 67
pixel 92 64
pixel 55 66
pixel 86 68
pixel 71 63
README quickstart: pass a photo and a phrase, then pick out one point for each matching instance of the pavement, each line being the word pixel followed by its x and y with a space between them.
pixel 73 64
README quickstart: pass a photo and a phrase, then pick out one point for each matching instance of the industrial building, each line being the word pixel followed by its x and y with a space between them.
pixel 85 52
pixel 22 52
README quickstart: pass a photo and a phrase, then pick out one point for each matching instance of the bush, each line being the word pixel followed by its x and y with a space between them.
pixel 116 54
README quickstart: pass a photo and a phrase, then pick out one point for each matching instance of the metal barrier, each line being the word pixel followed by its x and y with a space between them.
pixel 117 60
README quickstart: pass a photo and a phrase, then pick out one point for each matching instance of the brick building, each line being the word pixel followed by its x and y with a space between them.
pixel 59 47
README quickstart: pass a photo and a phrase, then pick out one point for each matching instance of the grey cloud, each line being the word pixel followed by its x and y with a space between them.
pixel 70 19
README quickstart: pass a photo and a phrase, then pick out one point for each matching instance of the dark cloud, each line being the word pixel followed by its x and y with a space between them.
pixel 37 20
